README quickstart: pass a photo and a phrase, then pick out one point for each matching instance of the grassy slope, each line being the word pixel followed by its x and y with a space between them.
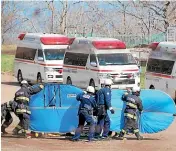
pixel 7 63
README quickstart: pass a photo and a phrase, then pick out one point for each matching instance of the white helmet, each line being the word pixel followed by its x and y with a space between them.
pixel 24 82
pixel 136 89
pixel 108 82
pixel 91 89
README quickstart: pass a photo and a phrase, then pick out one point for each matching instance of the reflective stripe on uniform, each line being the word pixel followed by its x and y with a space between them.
pixel 123 131
pixel 131 116
pixel 23 111
pixel 19 127
pixel 131 105
pixel 136 130
pixel 22 98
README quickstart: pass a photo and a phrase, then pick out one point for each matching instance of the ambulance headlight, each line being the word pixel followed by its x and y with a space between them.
pixel 48 69
pixel 103 75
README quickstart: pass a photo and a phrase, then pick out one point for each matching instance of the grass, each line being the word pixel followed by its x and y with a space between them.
pixel 7 63
pixel 142 84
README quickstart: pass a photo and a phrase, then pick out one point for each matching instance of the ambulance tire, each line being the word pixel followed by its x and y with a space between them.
pixel 152 87
pixel 19 76
pixel 69 81
pixel 92 83
pixel 39 78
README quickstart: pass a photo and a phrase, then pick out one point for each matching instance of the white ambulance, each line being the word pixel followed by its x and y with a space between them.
pixel 161 68
pixel 39 57
pixel 91 60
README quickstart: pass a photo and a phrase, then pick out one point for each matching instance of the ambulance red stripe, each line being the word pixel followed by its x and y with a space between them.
pixel 160 75
pixel 43 64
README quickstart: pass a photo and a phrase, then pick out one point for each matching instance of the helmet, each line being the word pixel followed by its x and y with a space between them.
pixel 24 82
pixel 136 89
pixel 90 89
pixel 108 82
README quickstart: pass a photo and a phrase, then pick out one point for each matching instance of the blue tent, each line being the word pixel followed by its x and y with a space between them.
pixel 54 109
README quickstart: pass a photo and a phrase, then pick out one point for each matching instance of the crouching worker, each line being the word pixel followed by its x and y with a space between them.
pixel 85 113
pixel 6 109
pixel 133 105
pixel 22 98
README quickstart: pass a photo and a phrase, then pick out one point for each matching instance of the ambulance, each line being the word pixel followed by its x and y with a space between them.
pixel 90 61
pixel 39 57
pixel 161 68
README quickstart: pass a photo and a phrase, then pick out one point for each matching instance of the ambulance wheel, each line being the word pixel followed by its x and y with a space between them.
pixel 69 81
pixel 39 78
pixel 92 83
pixel 152 87
pixel 19 76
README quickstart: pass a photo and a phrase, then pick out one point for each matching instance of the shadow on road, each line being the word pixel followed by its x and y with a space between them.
pixel 11 83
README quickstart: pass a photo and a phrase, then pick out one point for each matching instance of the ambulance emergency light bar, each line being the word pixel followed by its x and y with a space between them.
pixel 113 44
pixel 153 45
pixel 52 40
pixel 56 40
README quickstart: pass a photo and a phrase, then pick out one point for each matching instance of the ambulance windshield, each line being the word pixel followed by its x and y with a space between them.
pixel 160 66
pixel 54 54
pixel 116 59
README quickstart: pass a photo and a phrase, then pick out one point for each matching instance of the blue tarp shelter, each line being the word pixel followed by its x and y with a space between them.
pixel 54 109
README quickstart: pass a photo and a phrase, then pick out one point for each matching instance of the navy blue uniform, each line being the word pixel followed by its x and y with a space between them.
pixel 22 97
pixel 104 103
pixel 133 105
pixel 6 109
pixel 85 112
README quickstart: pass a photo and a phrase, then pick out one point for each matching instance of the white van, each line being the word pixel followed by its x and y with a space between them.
pixel 91 60
pixel 161 68
pixel 39 57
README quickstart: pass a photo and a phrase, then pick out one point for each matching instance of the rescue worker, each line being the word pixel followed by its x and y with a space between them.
pixel 6 108
pixel 85 113
pixel 133 105
pixel 104 103
pixel 22 98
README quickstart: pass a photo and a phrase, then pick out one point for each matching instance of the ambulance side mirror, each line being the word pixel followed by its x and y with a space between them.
pixel 94 64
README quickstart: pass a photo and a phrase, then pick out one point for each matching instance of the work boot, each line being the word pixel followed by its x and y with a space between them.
pixel 69 134
pixel 26 134
pixel 121 136
pixel 139 137
pixel 3 131
pixel 75 139
pixel 15 131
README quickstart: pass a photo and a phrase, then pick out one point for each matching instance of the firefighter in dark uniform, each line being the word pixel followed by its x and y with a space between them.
pixel 133 105
pixel 87 105
pixel 104 103
pixel 22 98
pixel 6 109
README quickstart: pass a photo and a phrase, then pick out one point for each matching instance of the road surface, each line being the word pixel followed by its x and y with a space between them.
pixel 163 141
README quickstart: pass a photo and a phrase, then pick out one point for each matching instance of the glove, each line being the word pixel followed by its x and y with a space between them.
pixel 128 90
pixel 41 86
pixel 140 112
pixel 111 110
